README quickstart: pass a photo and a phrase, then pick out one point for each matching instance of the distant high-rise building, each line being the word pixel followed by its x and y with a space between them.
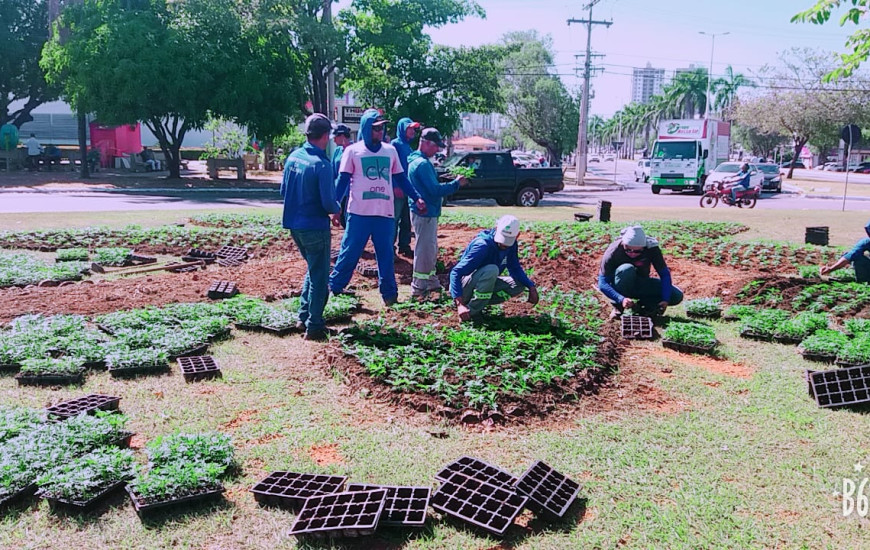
pixel 646 82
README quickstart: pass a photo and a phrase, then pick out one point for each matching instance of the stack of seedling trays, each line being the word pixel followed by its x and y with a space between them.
pixel 231 256
pixel 840 387
pixel 635 327
pixel 199 367
pixel 403 507
pixel 340 514
pixel 476 497
pixel 88 403
pixel 222 289
pixel 197 255
pixel 367 269
pixel 290 489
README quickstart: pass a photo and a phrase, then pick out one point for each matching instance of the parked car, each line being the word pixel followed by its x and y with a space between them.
pixel 609 158
pixel 728 170
pixel 593 159
pixel 641 171
pixel 772 177
pixel 863 168
pixel 797 164
pixel 496 177
pixel 525 160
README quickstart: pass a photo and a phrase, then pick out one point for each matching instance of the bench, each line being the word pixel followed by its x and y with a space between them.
pixel 214 165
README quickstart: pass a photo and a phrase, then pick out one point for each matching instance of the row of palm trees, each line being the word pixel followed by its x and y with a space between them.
pixel 684 97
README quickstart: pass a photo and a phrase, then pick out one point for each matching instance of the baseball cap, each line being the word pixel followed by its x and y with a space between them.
pixel 317 123
pixel 341 130
pixel 433 135
pixel 414 125
pixel 380 119
pixel 506 230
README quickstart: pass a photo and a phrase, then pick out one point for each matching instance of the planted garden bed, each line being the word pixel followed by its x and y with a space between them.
pixel 342 514
pixel 290 489
pixel 87 404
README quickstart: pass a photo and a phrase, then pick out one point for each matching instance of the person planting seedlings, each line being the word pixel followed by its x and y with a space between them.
pixel 475 281
pixel 858 257
pixel 425 181
pixel 625 279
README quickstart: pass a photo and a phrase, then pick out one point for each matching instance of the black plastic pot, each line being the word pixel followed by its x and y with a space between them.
pixel 145 506
pixel 94 504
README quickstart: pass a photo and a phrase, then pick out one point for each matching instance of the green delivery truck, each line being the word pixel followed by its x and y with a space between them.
pixel 686 151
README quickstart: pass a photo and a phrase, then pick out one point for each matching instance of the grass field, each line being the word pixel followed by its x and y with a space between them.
pixel 732 454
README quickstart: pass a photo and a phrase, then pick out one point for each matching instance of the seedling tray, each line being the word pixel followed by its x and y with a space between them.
pixel 200 367
pixel 404 506
pixel 549 491
pixel 194 254
pixel 836 388
pixel 222 289
pixel 196 350
pixel 17 498
pixel 145 506
pixel 582 217
pixel 88 403
pixel 234 252
pixel 787 339
pixel 635 327
pixel 756 336
pixel 848 364
pixel 818 357
pixel 137 370
pixel 480 504
pixel 136 259
pixel 9 368
pixel 229 262
pixel 290 489
pixel 340 514
pixel 479 470
pixel 184 269
pixel 50 379
pixel 714 315
pixel 60 505
pixel 367 269
pixel 689 348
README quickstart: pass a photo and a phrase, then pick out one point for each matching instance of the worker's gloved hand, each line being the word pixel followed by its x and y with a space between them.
pixel 533 295
pixel 663 307
pixel 627 303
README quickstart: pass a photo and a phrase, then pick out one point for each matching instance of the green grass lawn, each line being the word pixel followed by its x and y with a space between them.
pixel 721 461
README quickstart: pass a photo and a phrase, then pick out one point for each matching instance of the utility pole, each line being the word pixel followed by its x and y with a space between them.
pixel 580 167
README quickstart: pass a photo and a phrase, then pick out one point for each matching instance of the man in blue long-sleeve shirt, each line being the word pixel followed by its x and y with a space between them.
pixel 308 189
pixel 858 257
pixel 425 181
pixel 475 281
pixel 624 274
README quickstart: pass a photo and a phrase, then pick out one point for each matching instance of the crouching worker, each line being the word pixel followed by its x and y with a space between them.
pixel 624 275
pixel 475 281
pixel 857 257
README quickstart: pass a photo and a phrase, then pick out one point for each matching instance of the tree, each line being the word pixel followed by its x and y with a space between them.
pixel 394 65
pixel 538 104
pixel 688 92
pixel 859 41
pixel 168 64
pixel 726 89
pixel 757 142
pixel 23 32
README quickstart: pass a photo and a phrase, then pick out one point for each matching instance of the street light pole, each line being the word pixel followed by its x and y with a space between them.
pixel 713 36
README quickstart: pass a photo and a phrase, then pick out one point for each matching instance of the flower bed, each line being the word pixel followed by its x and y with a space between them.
pixel 689 337
pixel 50 372
pixel 710 308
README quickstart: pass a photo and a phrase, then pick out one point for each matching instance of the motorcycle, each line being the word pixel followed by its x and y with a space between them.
pixel 721 190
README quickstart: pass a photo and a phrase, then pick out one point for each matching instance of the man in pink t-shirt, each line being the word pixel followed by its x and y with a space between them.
pixel 369 168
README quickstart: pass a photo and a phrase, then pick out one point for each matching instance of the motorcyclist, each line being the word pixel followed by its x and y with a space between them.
pixel 740 181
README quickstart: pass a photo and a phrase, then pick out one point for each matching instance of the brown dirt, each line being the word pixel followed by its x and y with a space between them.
pixel 243 418
pixel 716 366
pixel 326 455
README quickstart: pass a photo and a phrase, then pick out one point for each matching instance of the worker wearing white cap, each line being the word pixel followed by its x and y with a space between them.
pixel 624 276
pixel 476 280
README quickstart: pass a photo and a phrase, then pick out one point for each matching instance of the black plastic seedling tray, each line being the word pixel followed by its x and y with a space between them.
pixel 199 367
pixel 88 403
pixel 836 388
pixel 549 491
pixel 715 315
pixel 848 364
pixel 194 254
pixel 123 440
pixel 198 349
pixel 635 327
pixel 479 470
pixel 229 262
pixel 137 370
pixel 404 506
pixel 756 336
pixel 61 505
pixel 234 252
pixel 145 506
pixel 290 489
pixel 367 269
pixel 689 348
pixel 222 289
pixel 50 379
pixel 340 514
pixel 818 357
pixel 9 368
pixel 479 504
pixel 182 267
pixel 17 498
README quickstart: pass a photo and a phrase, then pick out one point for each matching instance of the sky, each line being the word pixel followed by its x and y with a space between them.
pixel 664 33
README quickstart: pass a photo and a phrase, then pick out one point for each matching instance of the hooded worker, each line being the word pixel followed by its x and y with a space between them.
pixel 406 131
pixel 476 281
pixel 624 276
pixel 369 169
pixel 859 257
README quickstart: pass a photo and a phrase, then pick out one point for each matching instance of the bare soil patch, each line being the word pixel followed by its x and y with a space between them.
pixel 711 364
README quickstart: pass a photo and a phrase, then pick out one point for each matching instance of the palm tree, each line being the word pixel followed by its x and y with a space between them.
pixel 688 91
pixel 726 88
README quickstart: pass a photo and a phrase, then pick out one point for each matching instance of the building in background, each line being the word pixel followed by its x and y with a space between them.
pixel 488 126
pixel 646 82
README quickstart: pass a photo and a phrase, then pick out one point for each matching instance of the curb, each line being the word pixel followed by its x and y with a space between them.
pixel 139 190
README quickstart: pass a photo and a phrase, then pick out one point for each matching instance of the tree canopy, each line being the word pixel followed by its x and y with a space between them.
pixel 859 41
